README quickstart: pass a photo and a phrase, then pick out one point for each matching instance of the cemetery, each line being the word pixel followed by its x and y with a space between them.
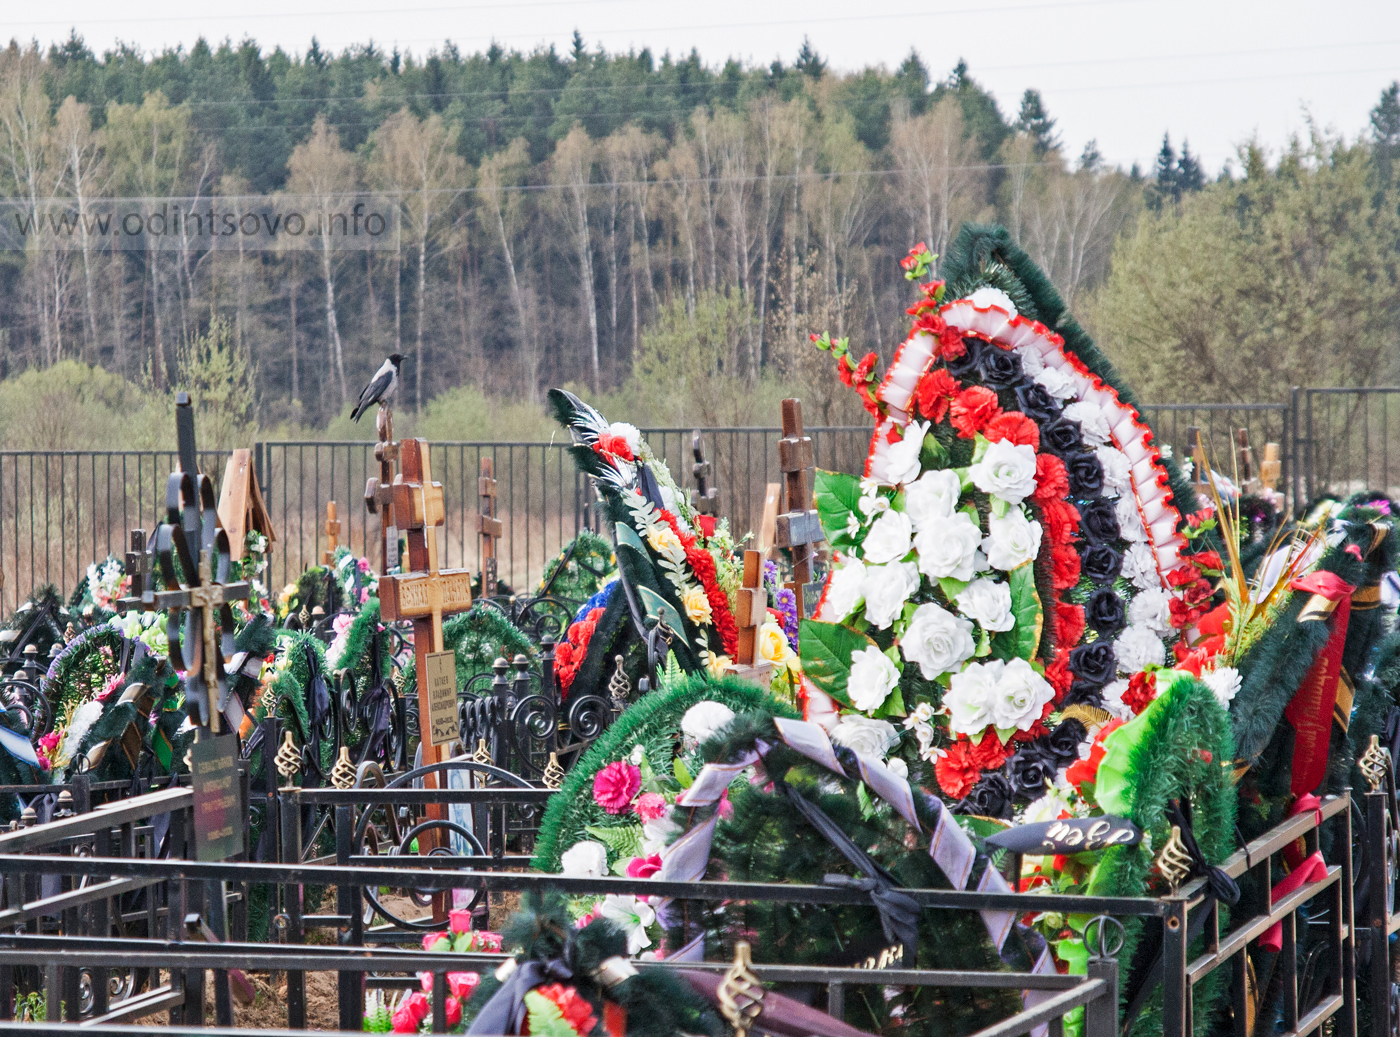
pixel 1024 708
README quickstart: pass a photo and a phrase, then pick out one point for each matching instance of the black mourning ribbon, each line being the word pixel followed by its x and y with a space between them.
pixel 899 912
pixel 376 708
pixel 505 1012
pixel 1222 887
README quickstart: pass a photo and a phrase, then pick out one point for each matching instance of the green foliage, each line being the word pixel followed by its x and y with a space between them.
pixel 694 360
pixel 825 650
pixel 590 562
pixel 1023 639
pixel 838 496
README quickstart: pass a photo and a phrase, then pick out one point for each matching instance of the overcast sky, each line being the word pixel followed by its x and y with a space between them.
pixel 1122 71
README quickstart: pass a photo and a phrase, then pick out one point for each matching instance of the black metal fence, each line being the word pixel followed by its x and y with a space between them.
pixel 62 510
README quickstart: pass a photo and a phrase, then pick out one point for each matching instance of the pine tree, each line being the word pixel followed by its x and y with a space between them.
pixel 809 62
pixel 911 82
pixel 1034 121
pixel 1092 158
pixel 578 53
pixel 1164 183
pixel 1189 174
pixel 1385 130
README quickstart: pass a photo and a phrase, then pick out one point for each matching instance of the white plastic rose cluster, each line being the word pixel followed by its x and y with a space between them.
pixel 948 544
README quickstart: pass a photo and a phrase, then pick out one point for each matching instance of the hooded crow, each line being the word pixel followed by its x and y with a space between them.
pixel 380 387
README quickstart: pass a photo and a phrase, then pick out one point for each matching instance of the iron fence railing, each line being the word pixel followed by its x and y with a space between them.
pixel 62 510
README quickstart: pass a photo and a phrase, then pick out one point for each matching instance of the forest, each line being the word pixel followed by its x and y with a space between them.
pixel 658 227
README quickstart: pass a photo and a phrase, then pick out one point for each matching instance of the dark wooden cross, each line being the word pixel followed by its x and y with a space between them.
pixel 379 490
pixel 199 589
pixel 488 526
pixel 425 593
pixel 138 566
pixel 798 529
pixel 705 498
pixel 1196 448
pixel 332 528
pixel 750 611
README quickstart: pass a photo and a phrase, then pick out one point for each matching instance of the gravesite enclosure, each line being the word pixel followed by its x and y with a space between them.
pixel 617 539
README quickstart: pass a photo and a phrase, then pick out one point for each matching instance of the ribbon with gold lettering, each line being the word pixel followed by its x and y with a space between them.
pixel 1310 711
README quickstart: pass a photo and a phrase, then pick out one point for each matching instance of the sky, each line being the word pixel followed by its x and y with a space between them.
pixel 1213 72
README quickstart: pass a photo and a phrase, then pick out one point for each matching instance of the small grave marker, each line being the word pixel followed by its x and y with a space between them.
pixel 332 528
pixel 799 528
pixel 488 526
pixel 705 498
pixel 241 507
pixel 379 490
pixel 218 812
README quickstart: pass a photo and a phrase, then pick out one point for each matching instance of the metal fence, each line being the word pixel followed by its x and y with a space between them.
pixel 61 510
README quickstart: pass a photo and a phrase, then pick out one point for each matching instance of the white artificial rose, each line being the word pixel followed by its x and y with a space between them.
pixel 864 735
pixel 873 676
pixel 1021 695
pixel 1007 470
pixel 1093 426
pixel 932 497
pixel 898 767
pixel 844 588
pixel 889 538
pixel 937 640
pixel 902 458
pixel 1012 540
pixel 585 860
pixel 657 833
pixel 1137 648
pixel 1117 470
pixel 705 718
pixel 1032 363
pixel 1151 609
pixel 949 548
pixel 1057 383
pixel 1140 566
pixel 970 697
pixel 1049 807
pixel 886 589
pixel 989 296
pixel 1225 682
pixel 988 603
pixel 1130 526
pixel 629 433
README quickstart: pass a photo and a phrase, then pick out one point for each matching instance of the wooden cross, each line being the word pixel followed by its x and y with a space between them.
pixel 488 526
pixel 379 490
pixel 425 594
pixel 241 507
pixel 1271 467
pixel 138 567
pixel 750 611
pixel 191 534
pixel 1244 461
pixel 799 528
pixel 1198 459
pixel 332 528
pixel 705 499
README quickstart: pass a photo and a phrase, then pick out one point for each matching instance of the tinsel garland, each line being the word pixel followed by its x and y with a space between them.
pixel 477 636
pixel 653 721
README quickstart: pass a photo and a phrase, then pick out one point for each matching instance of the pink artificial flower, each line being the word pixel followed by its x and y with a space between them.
pixel 615 786
pixel 113 682
pixel 650 806
pixel 431 941
pixel 341 622
pixel 726 808
pixel 50 741
pixel 454 1011
pixel 586 919
pixel 485 941
pixel 460 920
pixel 364 565
pixel 412 1011
pixel 425 980
pixel 462 983
pixel 364 595
pixel 644 867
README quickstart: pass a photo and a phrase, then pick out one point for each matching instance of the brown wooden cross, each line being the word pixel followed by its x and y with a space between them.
pixel 750 611
pixel 141 594
pixel 379 490
pixel 1244 463
pixel 799 528
pixel 332 528
pixel 488 526
pixel 241 507
pixel 705 499
pixel 1196 448
pixel 1271 467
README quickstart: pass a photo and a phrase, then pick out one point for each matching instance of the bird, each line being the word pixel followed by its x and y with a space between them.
pixel 380 387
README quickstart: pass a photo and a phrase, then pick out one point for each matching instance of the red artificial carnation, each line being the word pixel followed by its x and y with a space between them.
pixel 1197 594
pixel 1142 689
pixel 950 344
pixel 865 367
pixel 1208 560
pixel 1015 427
pixel 1183 575
pixel 1037 729
pixel 989 754
pixel 1064 567
pixel 1060 520
pixel 956 770
pixel 1200 515
pixel 935 392
pixel 1051 479
pixel 1182 614
pixel 972 409
pixel 1069 623
pixel 911 261
pixel 1058 673
pixel 573 1006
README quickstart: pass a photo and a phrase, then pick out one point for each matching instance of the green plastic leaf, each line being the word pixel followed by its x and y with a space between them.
pixel 867 805
pixel 999 507
pixel 1074 954
pixel 838 495
pixel 624 841
pixel 627 537
pixel 933 454
pixel 950 587
pixel 682 773
pixel 892 706
pixel 982 827
pixel 659 607
pixel 1021 641
pixel 825 650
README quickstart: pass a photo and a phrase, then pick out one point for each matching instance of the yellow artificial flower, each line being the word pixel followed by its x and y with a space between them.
pixel 773 646
pixel 717 663
pixel 663 540
pixel 697 605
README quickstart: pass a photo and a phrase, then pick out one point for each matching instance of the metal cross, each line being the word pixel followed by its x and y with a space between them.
pixel 705 500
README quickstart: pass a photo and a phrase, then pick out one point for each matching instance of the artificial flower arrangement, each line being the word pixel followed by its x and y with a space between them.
pixel 412 1011
pixel 104 584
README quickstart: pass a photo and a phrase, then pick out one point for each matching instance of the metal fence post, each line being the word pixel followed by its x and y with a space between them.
pixel 350 985
pixel 290 812
pixel 1176 988
pixel 1379 891
pixel 1101 1014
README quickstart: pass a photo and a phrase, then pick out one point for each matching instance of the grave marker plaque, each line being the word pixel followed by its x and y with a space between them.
pixel 440 671
pixel 218 812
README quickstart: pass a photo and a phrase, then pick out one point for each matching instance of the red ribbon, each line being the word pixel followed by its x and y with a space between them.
pixel 1294 852
pixel 1314 869
pixel 1310 710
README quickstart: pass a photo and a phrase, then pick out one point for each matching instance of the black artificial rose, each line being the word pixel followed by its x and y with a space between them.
pixel 1061 437
pixel 1032 768
pixel 1038 404
pixel 1084 693
pixel 1000 367
pixel 1064 740
pixel 967 365
pixel 1085 474
pixel 1101 563
pixel 990 797
pixel 1105 613
pixel 1098 520
pixel 1093 662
